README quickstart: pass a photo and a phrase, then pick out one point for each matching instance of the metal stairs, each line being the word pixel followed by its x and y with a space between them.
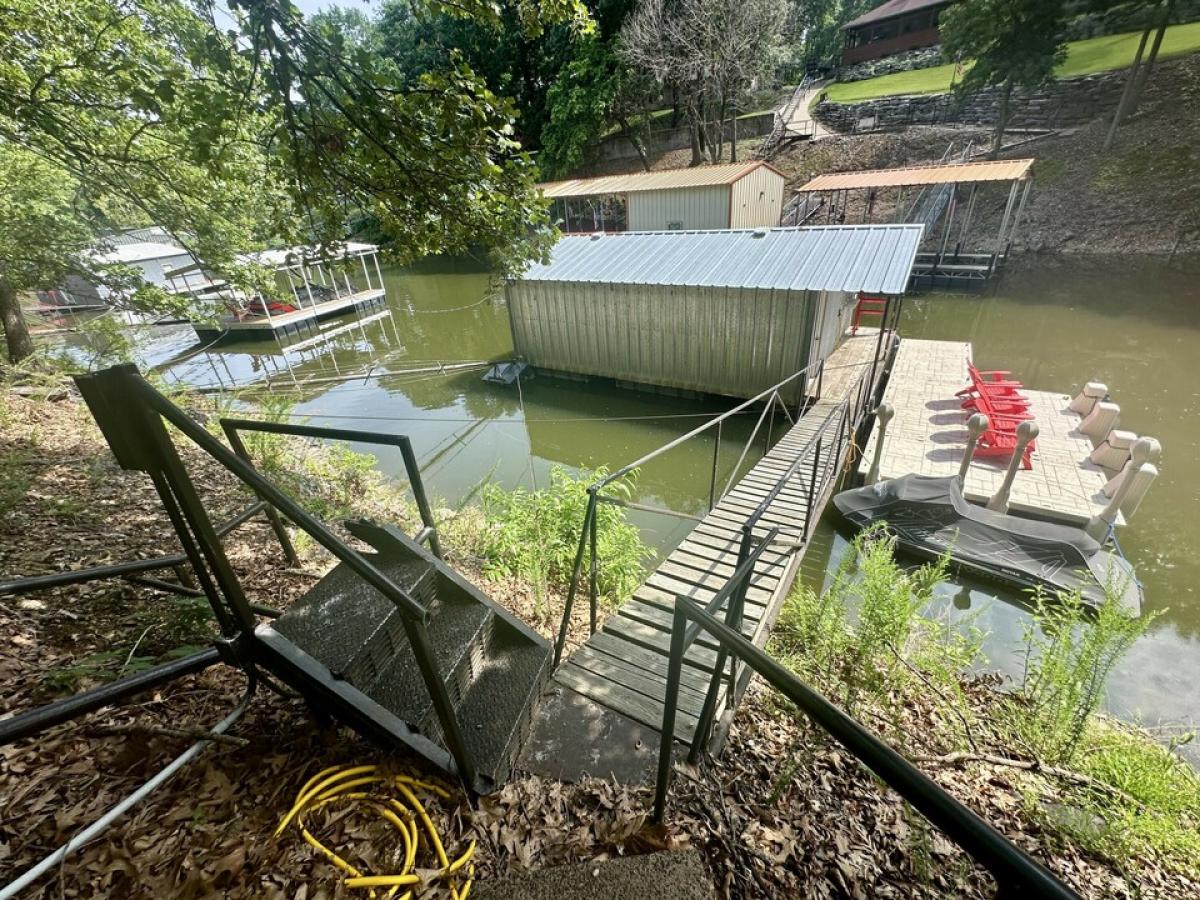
pixel 393 643
pixel 493 666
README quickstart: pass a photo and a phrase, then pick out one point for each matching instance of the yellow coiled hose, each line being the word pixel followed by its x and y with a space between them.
pixel 342 783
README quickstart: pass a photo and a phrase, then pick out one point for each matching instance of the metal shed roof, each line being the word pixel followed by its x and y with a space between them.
pixel 938 173
pixel 872 258
pixel 696 176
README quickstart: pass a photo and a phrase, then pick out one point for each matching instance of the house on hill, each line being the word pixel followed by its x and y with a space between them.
pixel 735 195
pixel 893 27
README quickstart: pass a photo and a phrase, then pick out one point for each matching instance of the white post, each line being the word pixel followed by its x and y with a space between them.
pixel 366 274
pixel 307 286
pixel 1026 432
pixel 378 271
pixel 1098 526
pixel 883 415
pixel 976 425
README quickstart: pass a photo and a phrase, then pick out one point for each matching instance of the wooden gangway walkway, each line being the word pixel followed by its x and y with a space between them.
pixel 623 666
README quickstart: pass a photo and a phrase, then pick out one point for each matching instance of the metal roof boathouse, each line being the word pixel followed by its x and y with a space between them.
pixel 734 195
pixel 722 312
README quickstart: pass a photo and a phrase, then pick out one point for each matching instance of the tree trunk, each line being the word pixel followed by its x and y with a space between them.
pixel 1001 118
pixel 636 141
pixel 1144 75
pixel 733 136
pixel 1127 92
pixel 16 332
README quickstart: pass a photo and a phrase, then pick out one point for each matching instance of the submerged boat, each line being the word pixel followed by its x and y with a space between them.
pixel 930 518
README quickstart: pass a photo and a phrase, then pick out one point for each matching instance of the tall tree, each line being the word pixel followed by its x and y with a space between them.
pixel 710 52
pixel 596 92
pixel 271 128
pixel 1011 43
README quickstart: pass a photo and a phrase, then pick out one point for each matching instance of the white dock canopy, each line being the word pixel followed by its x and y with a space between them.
pixel 875 259
pixel 724 312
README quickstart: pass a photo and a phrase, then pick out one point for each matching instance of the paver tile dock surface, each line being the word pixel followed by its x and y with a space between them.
pixel 928 435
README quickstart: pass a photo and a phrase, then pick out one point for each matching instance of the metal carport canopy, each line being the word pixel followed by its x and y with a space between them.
pixel 875 259
pixel 938 173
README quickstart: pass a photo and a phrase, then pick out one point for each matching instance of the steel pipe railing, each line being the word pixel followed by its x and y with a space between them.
pixel 233 427
pixel 1016 873
pixel 587 535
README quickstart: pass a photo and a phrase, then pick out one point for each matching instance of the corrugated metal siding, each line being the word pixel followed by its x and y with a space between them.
pixel 691 209
pixel 664 179
pixel 757 199
pixel 872 258
pixel 723 340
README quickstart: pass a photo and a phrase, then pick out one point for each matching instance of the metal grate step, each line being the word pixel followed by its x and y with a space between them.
pixel 497 710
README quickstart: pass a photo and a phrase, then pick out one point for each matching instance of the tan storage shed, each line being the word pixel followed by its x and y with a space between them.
pixel 725 312
pixel 737 195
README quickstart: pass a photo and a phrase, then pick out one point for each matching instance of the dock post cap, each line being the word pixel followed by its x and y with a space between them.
pixel 885 412
pixel 1095 389
pixel 977 424
pixel 1027 431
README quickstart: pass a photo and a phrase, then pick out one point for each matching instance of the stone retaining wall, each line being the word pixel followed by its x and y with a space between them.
pixel 618 147
pixel 1059 104
pixel 921 58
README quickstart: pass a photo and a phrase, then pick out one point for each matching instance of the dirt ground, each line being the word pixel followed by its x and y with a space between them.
pixel 781 814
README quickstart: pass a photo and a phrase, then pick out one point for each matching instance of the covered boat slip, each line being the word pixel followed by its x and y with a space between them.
pixel 311 287
pixel 947 198
pixel 720 312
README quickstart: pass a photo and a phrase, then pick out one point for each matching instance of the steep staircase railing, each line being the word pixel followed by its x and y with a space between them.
pixel 783 118
pixel 1016 874
pixel 394 644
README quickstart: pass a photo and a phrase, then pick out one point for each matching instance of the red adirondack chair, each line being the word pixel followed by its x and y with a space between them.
pixel 999 441
pixel 868 306
pixel 990 382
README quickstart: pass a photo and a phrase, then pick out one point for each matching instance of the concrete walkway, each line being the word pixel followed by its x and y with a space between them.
pixel 801 121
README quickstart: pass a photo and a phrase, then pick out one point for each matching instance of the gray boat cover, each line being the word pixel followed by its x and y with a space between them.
pixel 930 516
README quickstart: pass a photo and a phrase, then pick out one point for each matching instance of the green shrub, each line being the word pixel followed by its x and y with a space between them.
pixel 1070 652
pixel 534 535
pixel 866 636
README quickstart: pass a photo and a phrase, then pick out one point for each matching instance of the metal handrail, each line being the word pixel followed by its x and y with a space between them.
pixel 1015 872
pixel 232 427
pixel 414 616
pixel 587 534
pixel 278 499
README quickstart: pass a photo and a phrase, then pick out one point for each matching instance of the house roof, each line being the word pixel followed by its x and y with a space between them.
pixel 872 258
pixel 696 176
pixel 938 173
pixel 891 9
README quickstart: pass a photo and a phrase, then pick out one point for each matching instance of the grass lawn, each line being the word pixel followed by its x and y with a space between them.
pixel 1101 54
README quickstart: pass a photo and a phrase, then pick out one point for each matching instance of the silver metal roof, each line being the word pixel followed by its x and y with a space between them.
pixel 872 258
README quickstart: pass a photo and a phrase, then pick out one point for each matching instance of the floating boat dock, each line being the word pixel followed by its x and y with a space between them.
pixel 928 435
pixel 312 287
pixel 605 705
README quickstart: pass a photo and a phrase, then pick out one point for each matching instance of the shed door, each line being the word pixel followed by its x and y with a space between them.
pixel 834 313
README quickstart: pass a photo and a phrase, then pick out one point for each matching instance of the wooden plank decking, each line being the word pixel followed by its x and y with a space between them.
pixel 623 666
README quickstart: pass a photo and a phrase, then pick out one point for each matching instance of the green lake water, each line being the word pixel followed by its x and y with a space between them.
pixel 1133 327
pixel 1055 326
